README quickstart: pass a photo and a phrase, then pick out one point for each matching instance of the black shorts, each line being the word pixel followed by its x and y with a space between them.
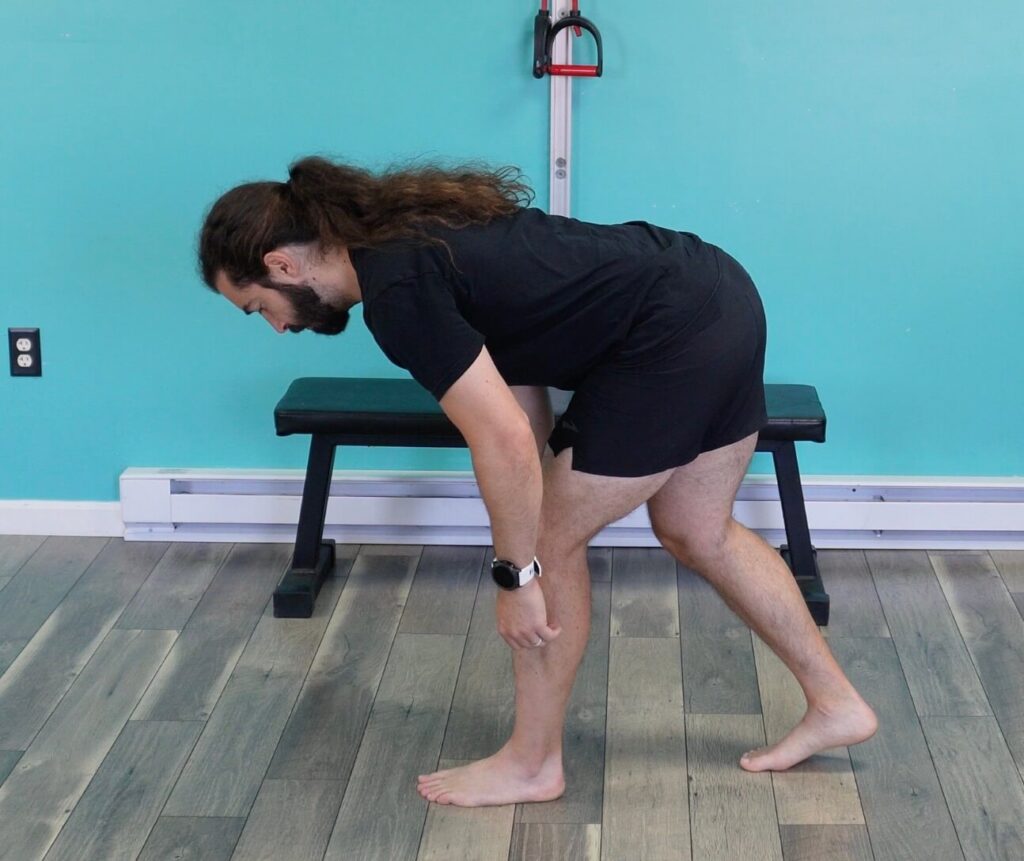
pixel 675 387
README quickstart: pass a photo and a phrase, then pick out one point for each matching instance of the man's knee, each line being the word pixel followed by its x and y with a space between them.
pixel 560 537
pixel 699 548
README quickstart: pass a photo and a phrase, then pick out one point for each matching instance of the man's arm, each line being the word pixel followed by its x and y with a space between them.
pixel 507 466
pixel 504 452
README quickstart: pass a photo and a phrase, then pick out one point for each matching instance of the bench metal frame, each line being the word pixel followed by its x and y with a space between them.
pixel 314 556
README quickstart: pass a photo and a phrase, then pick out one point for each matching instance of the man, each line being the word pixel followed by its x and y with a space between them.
pixel 487 302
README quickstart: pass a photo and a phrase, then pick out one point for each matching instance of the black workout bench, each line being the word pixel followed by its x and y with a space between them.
pixel 400 412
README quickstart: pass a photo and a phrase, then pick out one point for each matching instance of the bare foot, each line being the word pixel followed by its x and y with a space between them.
pixel 499 779
pixel 820 729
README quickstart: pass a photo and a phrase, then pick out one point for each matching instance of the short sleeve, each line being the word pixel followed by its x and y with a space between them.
pixel 419 327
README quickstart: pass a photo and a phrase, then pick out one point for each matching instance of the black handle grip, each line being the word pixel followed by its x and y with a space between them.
pixel 540 33
pixel 571 20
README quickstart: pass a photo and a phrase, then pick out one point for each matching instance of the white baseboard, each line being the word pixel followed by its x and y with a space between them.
pixel 445 508
pixel 42 517
pixel 385 507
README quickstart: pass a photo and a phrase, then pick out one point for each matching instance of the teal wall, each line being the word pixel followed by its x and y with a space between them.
pixel 863 162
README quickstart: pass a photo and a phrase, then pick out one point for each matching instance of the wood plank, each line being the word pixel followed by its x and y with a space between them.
pixel 1010 564
pixel 484 622
pixel 444 591
pixel 567 842
pixel 820 790
pixel 382 815
pixel 717 655
pixel 42 582
pixel 9 651
pixel 193 837
pixel 224 772
pixel 290 819
pixel 599 559
pixel 935 661
pixel 645 602
pixel 55 770
pixel 981 785
pixel 815 842
pixel 646 813
pixel 343 678
pixel 189 684
pixel 41 675
pixel 172 592
pixel 8 759
pixel 732 811
pixel 854 609
pixel 904 809
pixel 15 551
pixel 993 631
pixel 466 833
pixel 483 710
pixel 124 799
pixel 584 739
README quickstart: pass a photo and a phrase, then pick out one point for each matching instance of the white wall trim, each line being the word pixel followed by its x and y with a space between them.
pixel 43 517
pixel 388 507
pixel 445 508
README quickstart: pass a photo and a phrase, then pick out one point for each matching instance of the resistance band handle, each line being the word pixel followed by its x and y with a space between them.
pixel 540 33
pixel 544 39
pixel 571 20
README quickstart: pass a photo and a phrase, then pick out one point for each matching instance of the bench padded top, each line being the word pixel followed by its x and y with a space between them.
pixel 392 408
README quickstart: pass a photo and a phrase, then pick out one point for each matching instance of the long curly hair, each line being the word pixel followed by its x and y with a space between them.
pixel 336 205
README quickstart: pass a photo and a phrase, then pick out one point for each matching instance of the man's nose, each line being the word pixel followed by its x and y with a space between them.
pixel 280 328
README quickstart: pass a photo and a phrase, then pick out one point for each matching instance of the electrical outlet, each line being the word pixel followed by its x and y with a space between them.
pixel 26 353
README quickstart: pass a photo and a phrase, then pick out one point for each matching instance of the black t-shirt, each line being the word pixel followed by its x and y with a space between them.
pixel 549 296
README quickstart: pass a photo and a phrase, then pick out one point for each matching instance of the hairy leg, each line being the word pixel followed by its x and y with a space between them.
pixel 692 516
pixel 529 767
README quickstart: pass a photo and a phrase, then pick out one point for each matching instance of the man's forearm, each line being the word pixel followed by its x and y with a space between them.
pixel 509 476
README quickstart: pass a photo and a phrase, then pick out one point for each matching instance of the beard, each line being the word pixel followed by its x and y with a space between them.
pixel 310 311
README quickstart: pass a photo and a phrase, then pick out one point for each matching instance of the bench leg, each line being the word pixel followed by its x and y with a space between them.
pixel 801 557
pixel 313 559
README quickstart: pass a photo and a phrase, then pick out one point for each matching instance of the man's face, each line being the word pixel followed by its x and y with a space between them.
pixel 286 307
pixel 308 310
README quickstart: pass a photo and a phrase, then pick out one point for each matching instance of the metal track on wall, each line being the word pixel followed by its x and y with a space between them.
pixel 560 158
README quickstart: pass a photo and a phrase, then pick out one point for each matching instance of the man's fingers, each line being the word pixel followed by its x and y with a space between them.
pixel 533 639
pixel 513 643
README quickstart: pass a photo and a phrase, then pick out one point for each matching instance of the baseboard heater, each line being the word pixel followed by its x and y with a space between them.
pixel 388 507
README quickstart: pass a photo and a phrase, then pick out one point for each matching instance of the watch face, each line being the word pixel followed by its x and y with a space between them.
pixel 504 576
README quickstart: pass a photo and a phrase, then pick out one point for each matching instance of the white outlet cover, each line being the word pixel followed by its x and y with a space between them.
pixel 24 361
pixel 23 345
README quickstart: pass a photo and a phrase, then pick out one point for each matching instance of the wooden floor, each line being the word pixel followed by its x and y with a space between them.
pixel 151 707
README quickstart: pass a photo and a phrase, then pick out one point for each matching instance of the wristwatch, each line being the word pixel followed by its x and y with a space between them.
pixel 510 576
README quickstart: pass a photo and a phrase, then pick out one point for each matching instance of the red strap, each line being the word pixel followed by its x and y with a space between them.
pixel 573 71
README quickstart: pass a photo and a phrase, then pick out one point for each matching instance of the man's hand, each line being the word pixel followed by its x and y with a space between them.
pixel 523 618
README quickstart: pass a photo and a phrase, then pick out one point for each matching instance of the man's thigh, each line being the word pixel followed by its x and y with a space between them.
pixel 577 505
pixel 536 403
pixel 695 504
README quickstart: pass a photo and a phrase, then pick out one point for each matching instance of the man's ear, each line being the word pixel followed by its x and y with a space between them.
pixel 281 264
